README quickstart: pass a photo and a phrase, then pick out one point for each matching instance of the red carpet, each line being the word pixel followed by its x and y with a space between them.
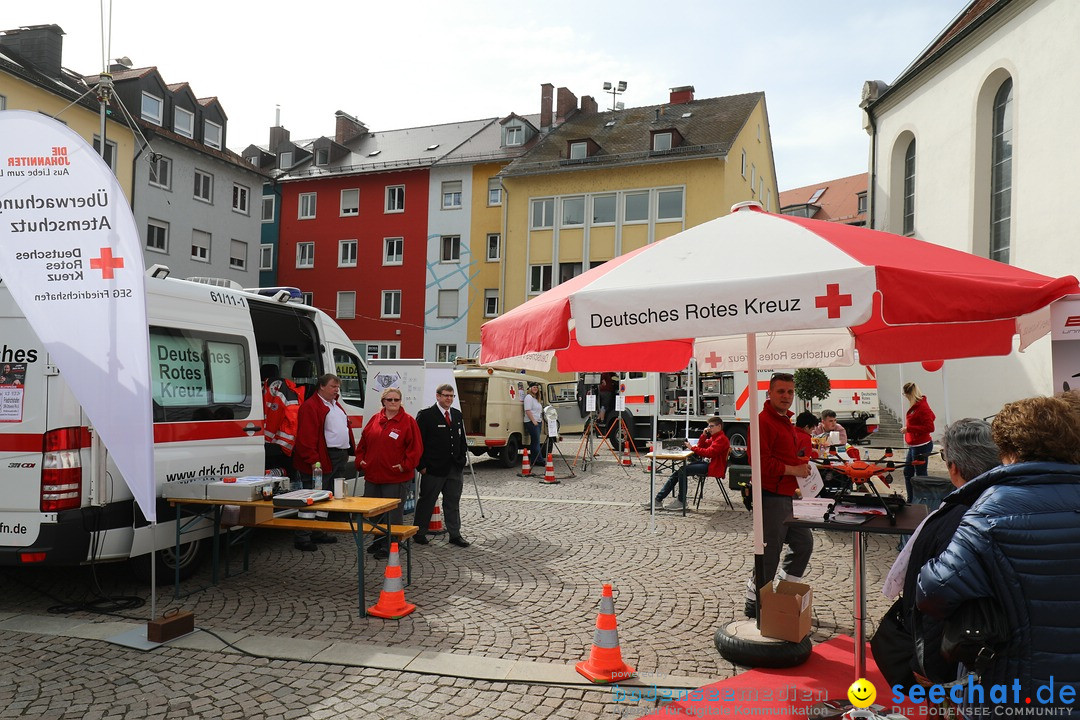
pixel 826 675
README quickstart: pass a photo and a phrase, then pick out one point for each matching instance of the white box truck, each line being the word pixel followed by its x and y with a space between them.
pixel 65 503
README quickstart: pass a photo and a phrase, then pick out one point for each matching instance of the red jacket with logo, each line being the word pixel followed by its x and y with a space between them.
pixel 310 438
pixel 919 423
pixel 386 442
pixel 716 448
pixel 281 409
pixel 779 447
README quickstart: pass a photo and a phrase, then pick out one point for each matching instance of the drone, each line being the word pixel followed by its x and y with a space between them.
pixel 860 473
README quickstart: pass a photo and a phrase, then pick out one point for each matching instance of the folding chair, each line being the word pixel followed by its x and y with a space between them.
pixel 700 492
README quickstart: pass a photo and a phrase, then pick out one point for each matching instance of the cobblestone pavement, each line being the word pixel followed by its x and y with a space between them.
pixel 527 589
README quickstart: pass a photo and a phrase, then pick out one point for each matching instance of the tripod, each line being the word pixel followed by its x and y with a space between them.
pixel 586 443
pixel 624 433
pixel 554 449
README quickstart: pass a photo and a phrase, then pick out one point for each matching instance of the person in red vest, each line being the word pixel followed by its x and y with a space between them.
pixel 780 466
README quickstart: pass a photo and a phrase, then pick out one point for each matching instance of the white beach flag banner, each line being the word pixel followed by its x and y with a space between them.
pixel 71 257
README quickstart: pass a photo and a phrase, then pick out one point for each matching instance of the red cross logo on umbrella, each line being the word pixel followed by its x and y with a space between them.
pixel 106 263
pixel 833 300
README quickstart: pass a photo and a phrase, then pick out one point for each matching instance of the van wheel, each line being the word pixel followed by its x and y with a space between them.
pixel 511 455
pixel 737 435
pixel 191 557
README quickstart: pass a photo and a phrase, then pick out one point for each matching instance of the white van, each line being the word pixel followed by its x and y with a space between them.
pixel 63 500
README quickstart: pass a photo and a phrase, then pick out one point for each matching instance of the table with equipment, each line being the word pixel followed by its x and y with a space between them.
pixel 260 514
pixel 674 460
pixel 906 520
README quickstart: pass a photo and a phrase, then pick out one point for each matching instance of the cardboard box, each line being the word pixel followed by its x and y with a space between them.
pixel 254 514
pixel 169 627
pixel 785 611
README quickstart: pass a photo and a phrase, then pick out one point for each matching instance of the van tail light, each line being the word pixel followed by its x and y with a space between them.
pixel 871 429
pixel 61 468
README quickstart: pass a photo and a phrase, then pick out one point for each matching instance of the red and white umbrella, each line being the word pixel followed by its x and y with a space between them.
pixel 750 272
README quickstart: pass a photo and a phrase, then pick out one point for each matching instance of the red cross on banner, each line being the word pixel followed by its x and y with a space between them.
pixel 833 299
pixel 106 263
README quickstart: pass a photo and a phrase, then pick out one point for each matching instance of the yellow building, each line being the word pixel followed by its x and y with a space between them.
pixel 600 184
pixel 32 78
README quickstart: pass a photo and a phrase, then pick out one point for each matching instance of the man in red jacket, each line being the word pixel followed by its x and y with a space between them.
pixel 780 466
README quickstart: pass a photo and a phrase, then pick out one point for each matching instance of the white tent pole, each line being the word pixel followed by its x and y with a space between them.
pixel 945 390
pixel 755 441
pixel 652 478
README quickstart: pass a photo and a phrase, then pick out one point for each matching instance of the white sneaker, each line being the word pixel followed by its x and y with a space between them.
pixel 674 505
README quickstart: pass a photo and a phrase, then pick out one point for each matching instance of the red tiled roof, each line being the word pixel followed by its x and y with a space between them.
pixel 838 203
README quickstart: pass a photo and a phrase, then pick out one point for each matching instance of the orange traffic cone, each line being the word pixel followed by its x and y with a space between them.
pixel 435 525
pixel 652 451
pixel 526 469
pixel 605 663
pixel 549 472
pixel 626 455
pixel 392 605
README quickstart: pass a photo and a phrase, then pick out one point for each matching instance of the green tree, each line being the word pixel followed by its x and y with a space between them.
pixel 812 384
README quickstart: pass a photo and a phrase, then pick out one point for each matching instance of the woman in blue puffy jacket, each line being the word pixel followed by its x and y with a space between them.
pixel 1019 543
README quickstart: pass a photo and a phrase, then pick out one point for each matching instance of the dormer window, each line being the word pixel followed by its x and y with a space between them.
pixel 579 150
pixel 184 122
pixel 515 135
pixel 661 141
pixel 212 135
pixel 285 160
pixel 322 157
pixel 151 108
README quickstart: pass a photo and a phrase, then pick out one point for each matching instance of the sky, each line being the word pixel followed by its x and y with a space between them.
pixel 418 62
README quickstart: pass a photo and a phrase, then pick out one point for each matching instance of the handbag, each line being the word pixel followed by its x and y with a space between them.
pixel 893 646
pixel 975 634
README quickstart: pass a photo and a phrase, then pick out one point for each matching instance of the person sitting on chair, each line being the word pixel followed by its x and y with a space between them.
pixel 713 445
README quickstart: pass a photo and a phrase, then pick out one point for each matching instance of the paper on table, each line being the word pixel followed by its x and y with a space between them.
pixel 811 508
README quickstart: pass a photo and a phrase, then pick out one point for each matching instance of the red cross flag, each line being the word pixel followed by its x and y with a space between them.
pixel 70 257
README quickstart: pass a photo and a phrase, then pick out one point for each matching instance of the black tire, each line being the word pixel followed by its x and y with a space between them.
pixel 510 455
pixel 739 437
pixel 191 557
pixel 741 643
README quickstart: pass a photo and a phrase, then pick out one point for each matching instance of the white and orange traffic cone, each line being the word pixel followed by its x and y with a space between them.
pixel 526 469
pixel 626 455
pixel 605 663
pixel 435 525
pixel 549 472
pixel 652 451
pixel 392 605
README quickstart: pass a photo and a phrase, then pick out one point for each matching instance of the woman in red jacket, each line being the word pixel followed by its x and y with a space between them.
pixel 918 426
pixel 388 453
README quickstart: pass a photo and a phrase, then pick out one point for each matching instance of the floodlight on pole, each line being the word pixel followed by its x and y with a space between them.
pixel 615 89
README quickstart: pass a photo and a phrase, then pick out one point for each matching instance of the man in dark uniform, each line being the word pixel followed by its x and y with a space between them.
pixel 442 464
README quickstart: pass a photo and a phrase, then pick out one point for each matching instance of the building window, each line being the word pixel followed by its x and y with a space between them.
pixel 636 207
pixel 308 298
pixel 491 302
pixel 204 186
pixel 268 206
pixel 568 270
pixel 451 195
pixel 514 135
pixel 861 200
pixel 266 257
pixel 603 209
pixel 494 247
pixel 494 192
pixel 573 211
pixel 200 246
pixel 450 251
pixel 346 305
pixel 909 189
pixel 742 165
pixel 1001 174
pixel 395 198
pixel 157 235
pixel 579 150
pixel 322 157
pixel 160 171
pixel 539 278
pixel 240 198
pixel 151 108
pixel 448 304
pixel 393 251
pixel 445 353
pixel 543 213
pixel 347 253
pixel 305 255
pixel 212 134
pixel 3 102
pixel 110 151
pixel 350 202
pixel 661 141
pixel 238 255
pixel 383 351
pixel 184 122
pixel 391 304
pixel 307 206
pixel 669 205
pixel 753 178
pixel 285 160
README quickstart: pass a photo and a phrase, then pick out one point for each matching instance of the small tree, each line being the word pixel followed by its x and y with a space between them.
pixel 812 384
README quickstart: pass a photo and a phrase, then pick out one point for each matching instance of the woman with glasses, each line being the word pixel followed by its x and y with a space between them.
pixel 387 454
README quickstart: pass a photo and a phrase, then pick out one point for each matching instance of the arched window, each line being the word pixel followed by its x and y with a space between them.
pixel 1001 174
pixel 909 189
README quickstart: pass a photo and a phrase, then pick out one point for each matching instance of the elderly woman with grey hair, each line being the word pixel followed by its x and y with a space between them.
pixel 968 451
